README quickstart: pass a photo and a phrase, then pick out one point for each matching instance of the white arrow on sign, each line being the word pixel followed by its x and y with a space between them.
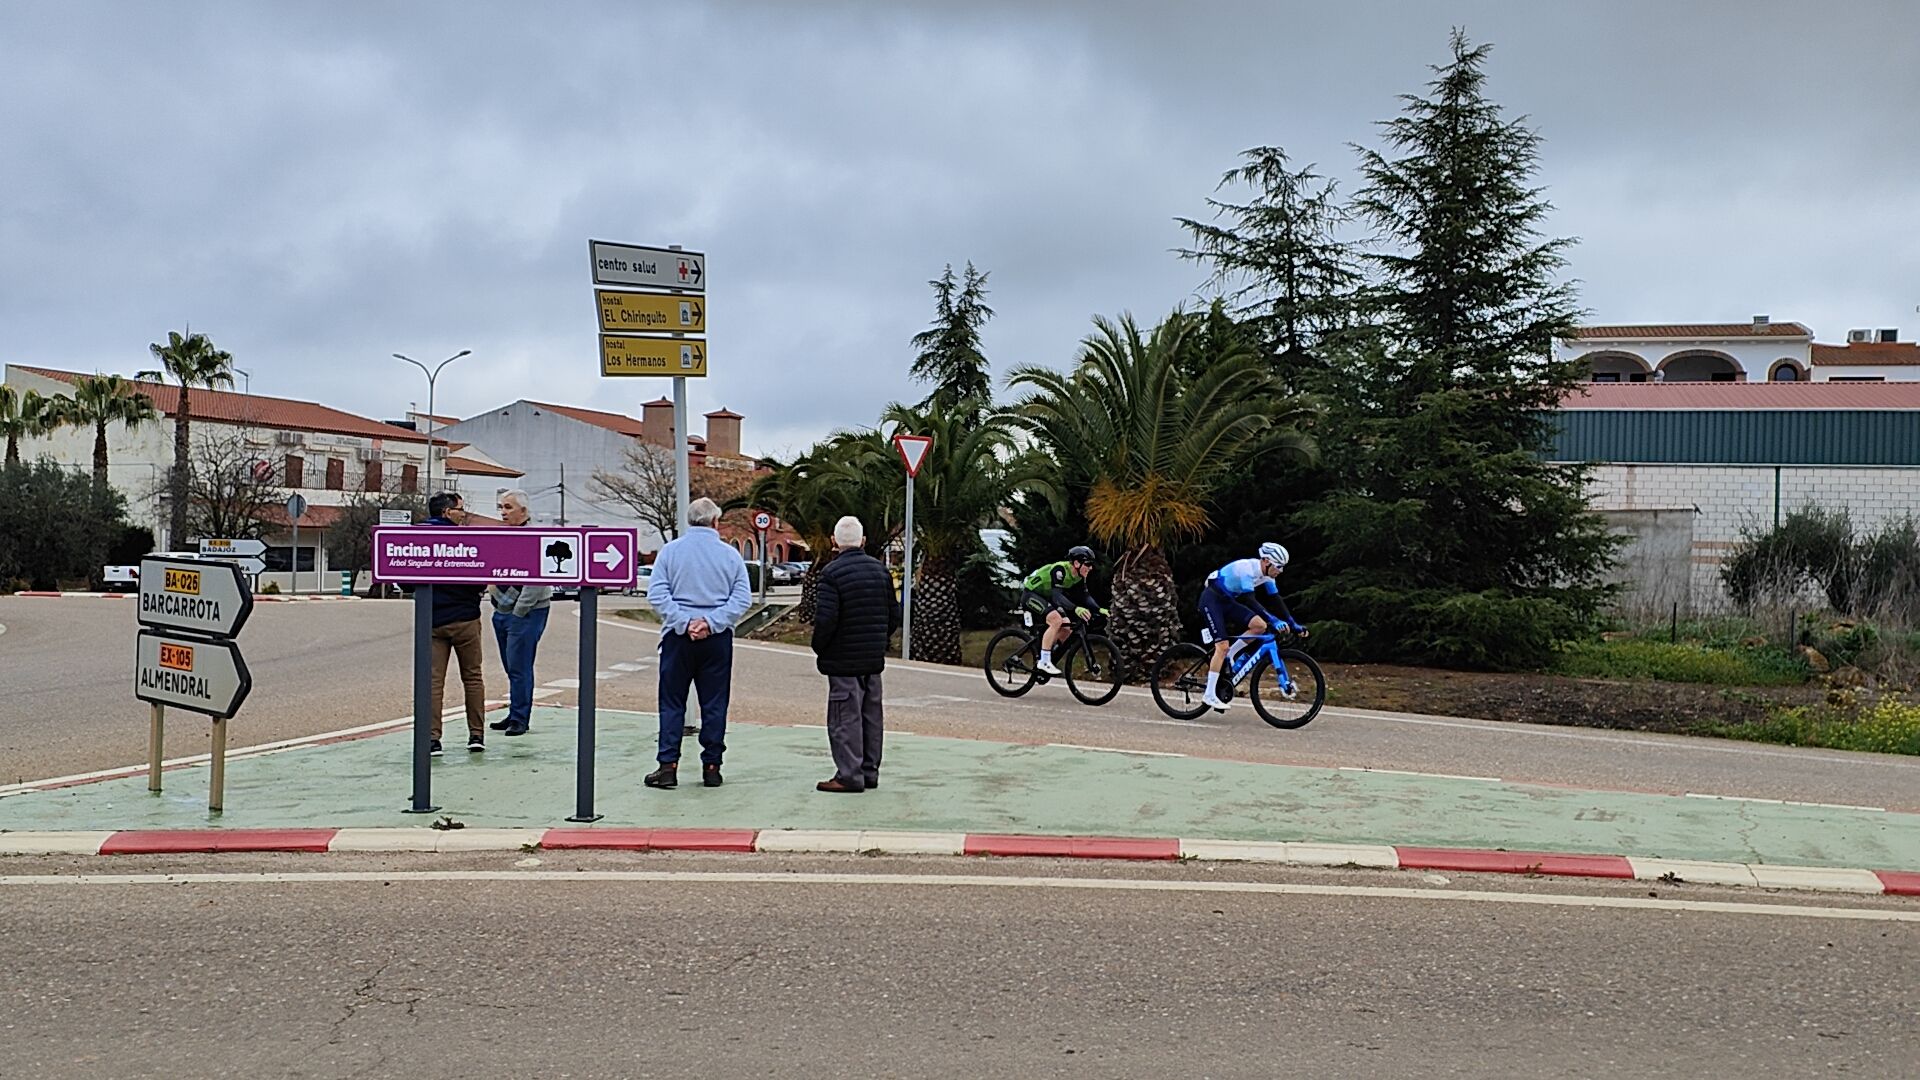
pixel 610 558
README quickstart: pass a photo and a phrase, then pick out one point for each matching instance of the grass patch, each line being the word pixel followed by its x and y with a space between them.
pixel 1685 662
pixel 1890 725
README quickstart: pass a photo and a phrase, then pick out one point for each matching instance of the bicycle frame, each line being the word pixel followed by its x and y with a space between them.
pixel 1270 648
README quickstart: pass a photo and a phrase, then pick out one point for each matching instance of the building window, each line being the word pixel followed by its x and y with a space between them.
pixel 1725 376
pixel 296 472
pixel 279 560
pixel 1858 378
pixel 1606 376
pixel 409 479
pixel 1786 373
pixel 336 474
pixel 374 477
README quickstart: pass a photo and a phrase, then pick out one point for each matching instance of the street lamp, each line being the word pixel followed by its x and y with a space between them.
pixel 431 376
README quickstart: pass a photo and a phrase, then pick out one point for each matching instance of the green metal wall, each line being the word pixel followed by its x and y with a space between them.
pixel 1736 437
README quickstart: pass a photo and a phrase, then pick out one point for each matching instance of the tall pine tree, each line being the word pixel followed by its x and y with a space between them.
pixel 948 352
pixel 1447 538
pixel 1277 257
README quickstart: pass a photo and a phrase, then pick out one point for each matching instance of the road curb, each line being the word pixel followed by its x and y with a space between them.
pixel 1004 845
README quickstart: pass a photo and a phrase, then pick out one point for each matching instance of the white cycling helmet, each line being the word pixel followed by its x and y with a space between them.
pixel 1274 554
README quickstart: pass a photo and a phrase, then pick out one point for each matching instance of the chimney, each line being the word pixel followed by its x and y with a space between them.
pixel 1760 323
pixel 723 433
pixel 656 422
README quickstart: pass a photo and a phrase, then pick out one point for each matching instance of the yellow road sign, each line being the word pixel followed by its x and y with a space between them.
pixel 621 354
pixel 650 313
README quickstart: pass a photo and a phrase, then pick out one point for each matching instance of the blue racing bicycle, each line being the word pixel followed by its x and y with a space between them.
pixel 1285 685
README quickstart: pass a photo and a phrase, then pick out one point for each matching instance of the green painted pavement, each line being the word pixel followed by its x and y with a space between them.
pixel 963 785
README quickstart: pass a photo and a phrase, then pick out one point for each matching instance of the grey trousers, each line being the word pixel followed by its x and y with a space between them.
pixel 854 723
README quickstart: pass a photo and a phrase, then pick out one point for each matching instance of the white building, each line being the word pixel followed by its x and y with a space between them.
pixel 1758 351
pixel 325 455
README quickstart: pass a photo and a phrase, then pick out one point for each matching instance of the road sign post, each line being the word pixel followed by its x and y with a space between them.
pixel 185 654
pixel 590 557
pixel 913 450
pixel 297 509
pixel 762 521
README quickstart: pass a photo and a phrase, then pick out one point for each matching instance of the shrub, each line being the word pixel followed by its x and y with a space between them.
pixel 1682 662
pixel 1890 725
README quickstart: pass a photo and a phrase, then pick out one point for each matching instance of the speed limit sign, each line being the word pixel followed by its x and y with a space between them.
pixel 762 520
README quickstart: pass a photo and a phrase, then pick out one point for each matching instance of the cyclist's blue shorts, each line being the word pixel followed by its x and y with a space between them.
pixel 1224 615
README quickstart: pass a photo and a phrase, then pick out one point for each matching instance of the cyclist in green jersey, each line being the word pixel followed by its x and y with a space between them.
pixel 1055 590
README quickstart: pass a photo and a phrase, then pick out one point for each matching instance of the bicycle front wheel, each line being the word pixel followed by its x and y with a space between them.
pixel 1292 698
pixel 1179 679
pixel 1009 663
pixel 1093 670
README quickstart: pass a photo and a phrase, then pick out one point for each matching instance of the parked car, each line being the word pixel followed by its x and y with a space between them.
pixel 783 574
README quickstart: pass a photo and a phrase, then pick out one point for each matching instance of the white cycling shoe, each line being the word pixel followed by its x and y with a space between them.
pixel 1045 667
pixel 1215 703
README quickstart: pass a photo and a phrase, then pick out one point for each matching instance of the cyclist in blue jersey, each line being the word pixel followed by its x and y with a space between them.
pixel 1236 595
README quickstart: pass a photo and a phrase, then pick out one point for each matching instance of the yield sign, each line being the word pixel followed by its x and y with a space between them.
pixel 913 451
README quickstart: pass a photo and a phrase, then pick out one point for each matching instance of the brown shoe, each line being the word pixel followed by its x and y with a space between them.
pixel 838 786
pixel 710 775
pixel 665 777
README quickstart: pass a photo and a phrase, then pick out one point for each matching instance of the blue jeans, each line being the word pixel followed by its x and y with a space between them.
pixel 519 637
pixel 708 665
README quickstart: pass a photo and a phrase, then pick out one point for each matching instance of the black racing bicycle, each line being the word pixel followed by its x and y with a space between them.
pixel 1285 685
pixel 1090 661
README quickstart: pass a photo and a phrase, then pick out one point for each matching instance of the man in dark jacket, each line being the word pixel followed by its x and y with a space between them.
pixel 456 630
pixel 854 620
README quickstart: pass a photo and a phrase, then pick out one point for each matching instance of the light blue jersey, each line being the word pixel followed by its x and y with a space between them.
pixel 1240 577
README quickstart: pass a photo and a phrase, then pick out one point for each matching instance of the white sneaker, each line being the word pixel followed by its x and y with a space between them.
pixel 1046 667
pixel 1215 703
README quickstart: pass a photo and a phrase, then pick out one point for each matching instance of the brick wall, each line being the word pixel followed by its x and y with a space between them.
pixel 1730 498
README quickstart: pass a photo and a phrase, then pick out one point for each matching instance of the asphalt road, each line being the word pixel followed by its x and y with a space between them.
pixel 66 706
pixel 560 967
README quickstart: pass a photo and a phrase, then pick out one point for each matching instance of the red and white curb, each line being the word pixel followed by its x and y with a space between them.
pixel 1370 856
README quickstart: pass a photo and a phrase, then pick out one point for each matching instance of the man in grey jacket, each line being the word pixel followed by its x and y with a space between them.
pixel 519 618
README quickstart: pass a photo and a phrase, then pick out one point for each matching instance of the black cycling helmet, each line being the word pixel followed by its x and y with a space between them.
pixel 1080 553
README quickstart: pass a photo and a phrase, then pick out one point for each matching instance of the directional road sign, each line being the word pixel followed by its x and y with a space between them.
pixel 612 558
pixel 232 549
pixel 198 595
pixel 650 313
pixel 190 673
pixel 626 355
pixel 396 517
pixel 647 267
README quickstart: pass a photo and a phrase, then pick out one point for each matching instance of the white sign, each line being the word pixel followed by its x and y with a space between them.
pixel 913 450
pixel 200 595
pixel 396 517
pixel 232 549
pixel 647 267
pixel 190 673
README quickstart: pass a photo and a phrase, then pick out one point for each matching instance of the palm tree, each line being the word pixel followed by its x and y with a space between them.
pixel 191 361
pixel 1158 444
pixel 811 493
pixel 974 466
pixel 24 415
pixel 101 401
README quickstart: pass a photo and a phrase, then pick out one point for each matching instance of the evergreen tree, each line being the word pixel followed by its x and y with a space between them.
pixel 948 352
pixel 1446 535
pixel 1277 257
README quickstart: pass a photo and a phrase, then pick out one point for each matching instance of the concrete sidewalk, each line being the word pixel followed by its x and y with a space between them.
pixel 968 786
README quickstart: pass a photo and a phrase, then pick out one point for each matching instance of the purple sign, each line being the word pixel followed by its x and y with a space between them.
pixel 451 555
pixel 611 557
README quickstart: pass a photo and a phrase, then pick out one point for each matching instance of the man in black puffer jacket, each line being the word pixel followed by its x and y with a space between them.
pixel 855 616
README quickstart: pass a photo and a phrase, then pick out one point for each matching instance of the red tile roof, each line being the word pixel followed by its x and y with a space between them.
pixel 469 467
pixel 1746 395
pixel 255 409
pixel 1894 353
pixel 1691 330
pixel 625 425
pixel 724 414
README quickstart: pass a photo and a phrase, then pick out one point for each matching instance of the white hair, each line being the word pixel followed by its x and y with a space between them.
pixel 848 532
pixel 703 512
pixel 517 496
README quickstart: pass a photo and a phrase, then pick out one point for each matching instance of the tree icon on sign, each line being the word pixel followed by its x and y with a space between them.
pixel 561 553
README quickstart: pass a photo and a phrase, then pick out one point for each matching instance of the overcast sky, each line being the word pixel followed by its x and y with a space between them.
pixel 319 185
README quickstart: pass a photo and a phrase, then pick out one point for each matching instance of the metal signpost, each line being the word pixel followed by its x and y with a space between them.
pixel 185 656
pixel 590 557
pixel 627 318
pixel 297 509
pixel 762 521
pixel 913 450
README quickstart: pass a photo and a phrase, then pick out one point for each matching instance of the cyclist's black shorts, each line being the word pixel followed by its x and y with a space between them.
pixel 1038 602
pixel 1225 615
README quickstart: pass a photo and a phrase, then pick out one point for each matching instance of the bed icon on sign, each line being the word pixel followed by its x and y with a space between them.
pixel 558 556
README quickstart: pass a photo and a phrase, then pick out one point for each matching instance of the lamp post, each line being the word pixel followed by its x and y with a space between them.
pixel 431 376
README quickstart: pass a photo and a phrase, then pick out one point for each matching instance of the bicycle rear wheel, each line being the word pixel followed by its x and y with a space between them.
pixel 1093 670
pixel 1179 679
pixel 1009 663
pixel 1300 703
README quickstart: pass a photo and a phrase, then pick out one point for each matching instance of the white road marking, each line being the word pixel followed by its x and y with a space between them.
pixel 1114 750
pixel 1422 775
pixel 977 881
pixel 602 676
pixel 628 667
pixel 564 684
pixel 546 692
pixel 1786 802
